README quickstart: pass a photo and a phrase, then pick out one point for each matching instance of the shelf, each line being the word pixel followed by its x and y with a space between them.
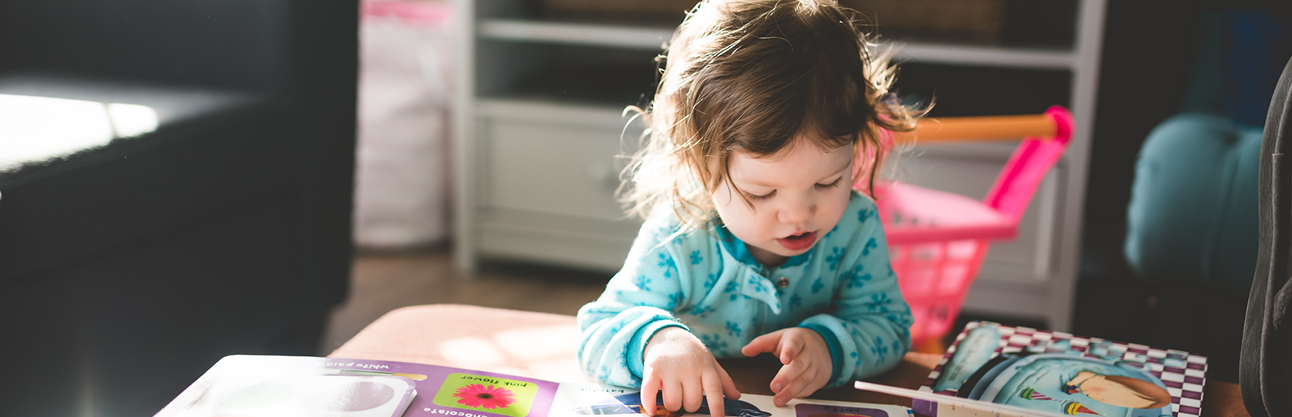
pixel 633 37
pixel 653 38
pixel 551 111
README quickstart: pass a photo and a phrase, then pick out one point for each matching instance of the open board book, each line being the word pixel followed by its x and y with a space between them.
pixel 997 370
pixel 284 386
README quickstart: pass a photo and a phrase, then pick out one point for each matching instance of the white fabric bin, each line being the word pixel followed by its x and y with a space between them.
pixel 402 174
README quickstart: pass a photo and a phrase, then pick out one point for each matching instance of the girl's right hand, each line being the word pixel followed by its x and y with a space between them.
pixel 677 364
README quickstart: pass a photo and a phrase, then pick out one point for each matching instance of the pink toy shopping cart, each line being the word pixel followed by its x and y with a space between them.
pixel 937 240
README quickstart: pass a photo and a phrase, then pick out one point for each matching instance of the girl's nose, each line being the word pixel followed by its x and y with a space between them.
pixel 797 211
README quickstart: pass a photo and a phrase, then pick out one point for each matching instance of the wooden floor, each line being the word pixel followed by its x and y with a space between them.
pixel 381 282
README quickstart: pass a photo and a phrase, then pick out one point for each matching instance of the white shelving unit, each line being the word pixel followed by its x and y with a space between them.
pixel 651 38
pixel 634 37
pixel 537 172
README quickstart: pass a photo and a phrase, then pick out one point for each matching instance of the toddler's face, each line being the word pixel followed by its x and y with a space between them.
pixel 798 196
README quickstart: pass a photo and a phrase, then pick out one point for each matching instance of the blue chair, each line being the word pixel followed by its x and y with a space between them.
pixel 1192 232
pixel 1192 215
pixel 1192 228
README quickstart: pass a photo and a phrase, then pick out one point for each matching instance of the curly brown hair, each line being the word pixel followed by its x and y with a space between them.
pixel 751 76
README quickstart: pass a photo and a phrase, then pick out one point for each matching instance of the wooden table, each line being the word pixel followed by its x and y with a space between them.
pixel 543 346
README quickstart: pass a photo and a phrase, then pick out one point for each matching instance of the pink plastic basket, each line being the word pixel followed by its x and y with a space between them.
pixel 937 240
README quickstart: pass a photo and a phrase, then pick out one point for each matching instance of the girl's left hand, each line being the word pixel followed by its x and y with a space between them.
pixel 806 360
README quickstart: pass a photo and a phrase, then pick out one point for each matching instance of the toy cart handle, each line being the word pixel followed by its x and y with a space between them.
pixel 1045 138
pixel 1032 159
pixel 987 128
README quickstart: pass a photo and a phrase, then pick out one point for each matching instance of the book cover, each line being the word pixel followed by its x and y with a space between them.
pixel 1064 374
pixel 252 386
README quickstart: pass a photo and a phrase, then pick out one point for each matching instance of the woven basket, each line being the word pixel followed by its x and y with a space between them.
pixel 980 20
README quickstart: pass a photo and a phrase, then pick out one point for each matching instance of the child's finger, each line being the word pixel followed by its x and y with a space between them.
pixel 790 347
pixel 712 383
pixel 672 395
pixel 757 346
pixel 789 373
pixel 766 343
pixel 728 385
pixel 650 388
pixel 793 379
pixel 693 392
pixel 795 387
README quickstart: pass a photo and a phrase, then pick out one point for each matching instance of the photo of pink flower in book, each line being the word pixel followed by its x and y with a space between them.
pixel 477 395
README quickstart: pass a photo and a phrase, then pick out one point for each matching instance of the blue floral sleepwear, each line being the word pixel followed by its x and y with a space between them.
pixel 707 282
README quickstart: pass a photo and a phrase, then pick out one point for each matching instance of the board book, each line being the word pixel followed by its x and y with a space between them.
pixel 254 386
pixel 1059 374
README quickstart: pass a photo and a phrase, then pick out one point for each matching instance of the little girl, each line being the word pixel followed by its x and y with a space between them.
pixel 754 239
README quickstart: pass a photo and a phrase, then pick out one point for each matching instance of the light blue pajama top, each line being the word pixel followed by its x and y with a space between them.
pixel 708 283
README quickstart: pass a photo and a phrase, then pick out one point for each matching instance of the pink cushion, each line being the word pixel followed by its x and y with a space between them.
pixel 536 345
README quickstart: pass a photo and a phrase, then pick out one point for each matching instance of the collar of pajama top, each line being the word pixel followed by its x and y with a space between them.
pixel 761 279
pixel 744 301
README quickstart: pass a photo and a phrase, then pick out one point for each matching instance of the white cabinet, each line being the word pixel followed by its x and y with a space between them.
pixel 540 123
pixel 545 183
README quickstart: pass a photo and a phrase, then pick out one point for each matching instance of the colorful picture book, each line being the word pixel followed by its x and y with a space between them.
pixel 254 386
pixel 1062 374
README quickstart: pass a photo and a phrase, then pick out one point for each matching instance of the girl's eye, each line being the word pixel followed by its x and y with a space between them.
pixel 831 184
pixel 754 197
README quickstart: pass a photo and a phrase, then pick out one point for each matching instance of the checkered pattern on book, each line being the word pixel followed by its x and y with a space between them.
pixel 1183 373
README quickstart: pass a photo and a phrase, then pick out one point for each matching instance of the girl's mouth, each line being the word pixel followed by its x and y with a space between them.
pixel 798 242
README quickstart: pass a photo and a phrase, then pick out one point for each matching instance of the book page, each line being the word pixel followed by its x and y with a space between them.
pixel 584 399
